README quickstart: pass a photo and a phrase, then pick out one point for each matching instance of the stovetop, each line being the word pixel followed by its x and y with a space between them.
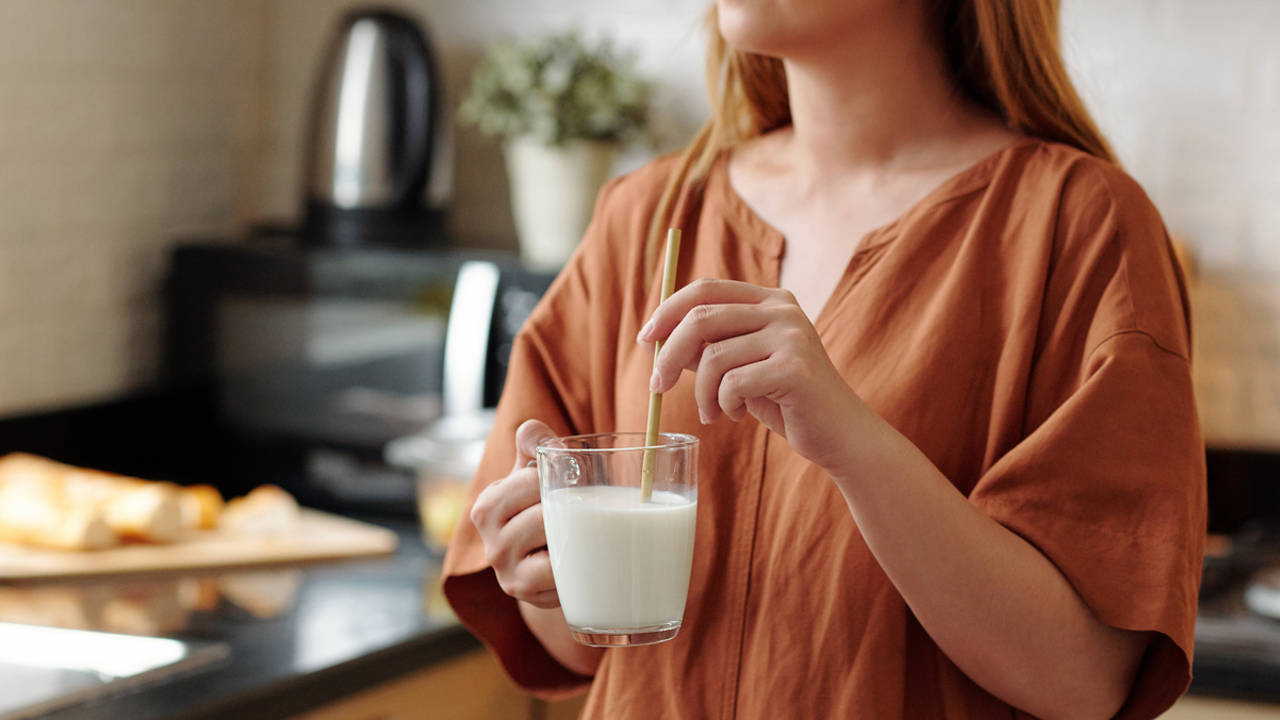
pixel 1237 650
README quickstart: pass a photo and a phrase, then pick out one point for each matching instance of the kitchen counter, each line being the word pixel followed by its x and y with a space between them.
pixel 1237 652
pixel 298 637
pixel 301 637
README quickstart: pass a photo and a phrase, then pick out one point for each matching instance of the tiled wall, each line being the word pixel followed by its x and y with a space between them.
pixel 122 125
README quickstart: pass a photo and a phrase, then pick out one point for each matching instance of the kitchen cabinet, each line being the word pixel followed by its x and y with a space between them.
pixel 469 687
pixel 1203 708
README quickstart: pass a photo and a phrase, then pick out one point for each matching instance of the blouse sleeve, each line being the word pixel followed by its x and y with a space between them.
pixel 553 363
pixel 1108 480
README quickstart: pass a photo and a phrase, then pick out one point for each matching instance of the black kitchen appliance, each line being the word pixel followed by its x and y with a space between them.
pixel 318 357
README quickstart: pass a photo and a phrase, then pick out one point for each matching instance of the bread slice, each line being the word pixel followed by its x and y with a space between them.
pixel 63 506
pixel 266 510
pixel 201 506
pixel 33 514
pixel 48 504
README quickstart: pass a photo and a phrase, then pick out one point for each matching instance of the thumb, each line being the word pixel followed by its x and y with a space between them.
pixel 528 435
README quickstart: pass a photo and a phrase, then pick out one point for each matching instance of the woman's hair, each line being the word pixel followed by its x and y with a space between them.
pixel 1002 54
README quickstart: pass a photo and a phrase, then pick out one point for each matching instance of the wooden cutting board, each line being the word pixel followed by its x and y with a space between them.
pixel 317 536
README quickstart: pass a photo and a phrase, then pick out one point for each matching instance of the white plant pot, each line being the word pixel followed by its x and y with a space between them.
pixel 553 192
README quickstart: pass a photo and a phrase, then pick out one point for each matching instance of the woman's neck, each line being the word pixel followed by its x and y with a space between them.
pixel 884 102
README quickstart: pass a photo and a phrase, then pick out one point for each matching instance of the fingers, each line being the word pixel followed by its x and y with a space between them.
pixel 703 325
pixel 532 581
pixel 528 435
pixel 518 555
pixel 765 379
pixel 521 536
pixel 719 358
pixel 508 516
pixel 707 291
pixel 503 500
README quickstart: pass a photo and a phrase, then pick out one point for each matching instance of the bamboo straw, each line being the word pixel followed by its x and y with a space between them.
pixel 655 398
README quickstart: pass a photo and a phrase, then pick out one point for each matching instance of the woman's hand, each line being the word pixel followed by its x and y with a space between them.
pixel 755 351
pixel 508 515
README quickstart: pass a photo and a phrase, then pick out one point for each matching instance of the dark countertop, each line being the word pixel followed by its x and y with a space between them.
pixel 298 636
pixel 303 636
pixel 1237 652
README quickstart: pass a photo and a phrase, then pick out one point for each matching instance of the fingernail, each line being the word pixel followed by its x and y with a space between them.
pixel 655 381
pixel 645 331
pixel 702 415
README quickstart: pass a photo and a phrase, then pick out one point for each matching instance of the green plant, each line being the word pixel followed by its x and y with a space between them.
pixel 557 88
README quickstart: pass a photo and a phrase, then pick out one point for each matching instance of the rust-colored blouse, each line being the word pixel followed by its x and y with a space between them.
pixel 1024 325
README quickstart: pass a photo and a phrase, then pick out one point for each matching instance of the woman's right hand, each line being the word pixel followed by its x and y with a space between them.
pixel 508 515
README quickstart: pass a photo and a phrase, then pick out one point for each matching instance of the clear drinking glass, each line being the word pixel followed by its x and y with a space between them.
pixel 621 565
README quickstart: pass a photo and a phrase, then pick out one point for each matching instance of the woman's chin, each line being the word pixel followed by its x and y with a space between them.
pixel 751 25
pixel 798 29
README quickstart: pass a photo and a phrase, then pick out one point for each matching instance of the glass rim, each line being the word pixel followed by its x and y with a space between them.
pixel 676 441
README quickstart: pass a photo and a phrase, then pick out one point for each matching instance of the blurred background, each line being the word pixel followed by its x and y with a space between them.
pixel 130 125
pixel 192 289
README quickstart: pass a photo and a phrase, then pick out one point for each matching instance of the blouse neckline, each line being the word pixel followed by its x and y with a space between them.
pixel 970 179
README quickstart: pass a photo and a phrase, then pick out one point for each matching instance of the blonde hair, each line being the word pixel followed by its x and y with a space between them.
pixel 1002 54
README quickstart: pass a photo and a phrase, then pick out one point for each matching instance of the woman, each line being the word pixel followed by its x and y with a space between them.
pixel 950 461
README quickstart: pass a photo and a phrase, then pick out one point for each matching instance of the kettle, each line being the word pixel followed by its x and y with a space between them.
pixel 374 137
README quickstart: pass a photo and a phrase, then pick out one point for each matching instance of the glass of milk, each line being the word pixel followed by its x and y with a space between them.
pixel 621 564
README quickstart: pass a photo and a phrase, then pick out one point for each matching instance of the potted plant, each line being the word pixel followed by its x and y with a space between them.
pixel 562 109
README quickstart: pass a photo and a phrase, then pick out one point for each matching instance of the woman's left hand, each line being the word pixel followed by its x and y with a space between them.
pixel 755 351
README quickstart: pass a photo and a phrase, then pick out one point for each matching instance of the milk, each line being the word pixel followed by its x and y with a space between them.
pixel 619 563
